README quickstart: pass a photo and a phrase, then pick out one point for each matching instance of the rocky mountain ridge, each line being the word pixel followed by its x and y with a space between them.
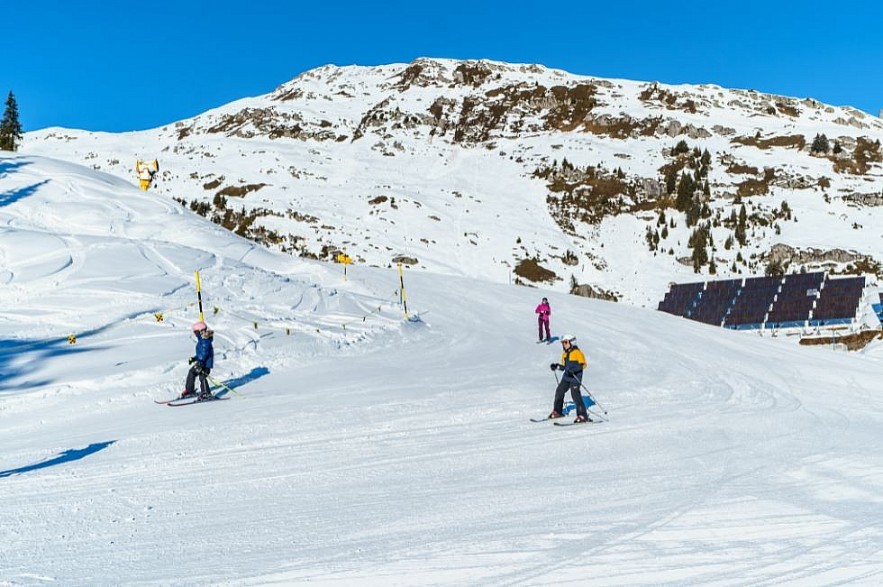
pixel 522 173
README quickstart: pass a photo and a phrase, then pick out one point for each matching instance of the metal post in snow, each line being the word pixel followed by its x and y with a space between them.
pixel 402 295
pixel 199 297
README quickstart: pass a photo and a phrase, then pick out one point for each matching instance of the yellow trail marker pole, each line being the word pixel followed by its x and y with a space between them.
pixel 344 259
pixel 199 297
pixel 402 291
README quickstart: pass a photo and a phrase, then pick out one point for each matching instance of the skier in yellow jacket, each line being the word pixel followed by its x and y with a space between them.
pixel 573 362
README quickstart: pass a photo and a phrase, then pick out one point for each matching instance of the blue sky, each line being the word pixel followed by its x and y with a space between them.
pixel 114 66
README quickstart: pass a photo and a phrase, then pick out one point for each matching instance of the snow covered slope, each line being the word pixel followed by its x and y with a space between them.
pixel 88 255
pixel 394 452
pixel 511 172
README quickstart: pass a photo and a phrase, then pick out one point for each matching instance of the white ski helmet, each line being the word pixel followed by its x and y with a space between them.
pixel 568 338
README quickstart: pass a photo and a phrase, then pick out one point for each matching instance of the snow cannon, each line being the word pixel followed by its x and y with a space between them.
pixel 145 172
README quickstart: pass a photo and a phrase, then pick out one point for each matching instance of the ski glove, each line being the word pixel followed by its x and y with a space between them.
pixel 556 367
pixel 191 360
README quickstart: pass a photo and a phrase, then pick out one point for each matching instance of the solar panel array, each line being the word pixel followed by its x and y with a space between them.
pixel 680 298
pixel 753 303
pixel 878 309
pixel 796 300
pixel 838 302
pixel 715 301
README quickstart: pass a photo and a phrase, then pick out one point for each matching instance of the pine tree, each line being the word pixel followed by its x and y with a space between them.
pixel 652 238
pixel 706 158
pixel 10 127
pixel 686 186
pixel 786 210
pixel 820 144
pixel 671 181
pixel 698 242
pixel 681 148
pixel 693 213
pixel 775 268
pixel 742 226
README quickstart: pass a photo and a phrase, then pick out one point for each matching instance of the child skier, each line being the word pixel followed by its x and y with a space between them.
pixel 573 361
pixel 201 363
pixel 543 312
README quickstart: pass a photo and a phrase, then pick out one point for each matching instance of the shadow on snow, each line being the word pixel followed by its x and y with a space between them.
pixel 570 406
pixel 9 166
pixel 11 197
pixel 21 358
pixel 252 375
pixel 68 456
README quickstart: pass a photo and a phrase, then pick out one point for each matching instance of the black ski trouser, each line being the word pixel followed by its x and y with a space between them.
pixel 190 384
pixel 573 386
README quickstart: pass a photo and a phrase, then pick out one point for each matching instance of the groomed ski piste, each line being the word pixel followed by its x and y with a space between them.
pixel 362 448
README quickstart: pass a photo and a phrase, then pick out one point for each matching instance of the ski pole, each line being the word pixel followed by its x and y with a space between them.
pixel 594 399
pixel 597 403
pixel 225 386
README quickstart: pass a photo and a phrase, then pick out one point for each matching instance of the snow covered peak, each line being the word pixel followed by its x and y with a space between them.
pixel 352 434
pixel 520 173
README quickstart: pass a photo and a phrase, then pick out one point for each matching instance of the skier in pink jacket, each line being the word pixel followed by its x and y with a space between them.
pixel 543 312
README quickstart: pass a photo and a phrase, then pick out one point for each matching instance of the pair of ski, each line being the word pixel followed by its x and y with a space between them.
pixel 188 401
pixel 563 423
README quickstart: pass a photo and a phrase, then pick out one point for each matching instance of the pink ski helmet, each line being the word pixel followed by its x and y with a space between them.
pixel 199 326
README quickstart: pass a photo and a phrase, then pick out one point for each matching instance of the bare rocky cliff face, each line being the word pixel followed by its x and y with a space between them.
pixel 603 187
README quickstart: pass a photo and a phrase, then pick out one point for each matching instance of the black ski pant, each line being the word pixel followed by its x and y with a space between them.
pixel 190 384
pixel 573 386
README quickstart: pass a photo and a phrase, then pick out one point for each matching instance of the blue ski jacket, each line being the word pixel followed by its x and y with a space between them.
pixel 205 352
